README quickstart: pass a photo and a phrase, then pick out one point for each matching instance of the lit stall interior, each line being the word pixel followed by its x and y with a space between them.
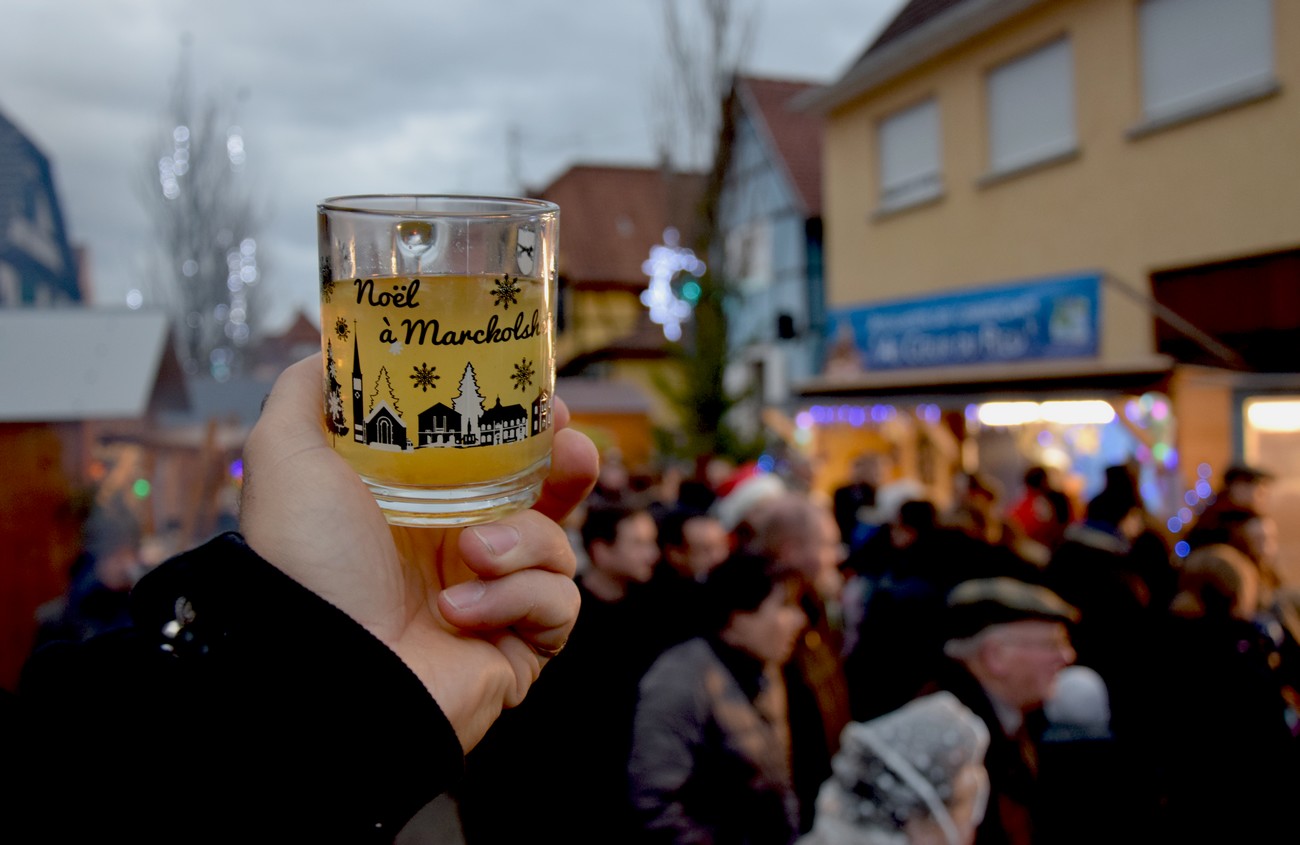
pixel 934 442
pixel 1271 440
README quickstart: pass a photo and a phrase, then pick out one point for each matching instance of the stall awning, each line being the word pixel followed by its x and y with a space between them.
pixel 67 364
pixel 1086 377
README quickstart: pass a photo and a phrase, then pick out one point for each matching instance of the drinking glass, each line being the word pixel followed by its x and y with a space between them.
pixel 437 327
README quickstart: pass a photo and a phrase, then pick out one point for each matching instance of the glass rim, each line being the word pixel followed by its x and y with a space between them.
pixel 453 206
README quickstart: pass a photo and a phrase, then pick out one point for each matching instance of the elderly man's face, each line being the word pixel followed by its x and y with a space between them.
pixel 1030 656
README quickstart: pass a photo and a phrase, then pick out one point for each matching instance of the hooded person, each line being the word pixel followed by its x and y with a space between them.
pixel 909 777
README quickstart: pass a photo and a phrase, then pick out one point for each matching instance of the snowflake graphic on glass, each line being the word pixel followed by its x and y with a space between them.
pixel 523 374
pixel 506 291
pixel 424 376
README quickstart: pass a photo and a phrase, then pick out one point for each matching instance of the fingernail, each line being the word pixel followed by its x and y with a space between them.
pixel 499 539
pixel 464 595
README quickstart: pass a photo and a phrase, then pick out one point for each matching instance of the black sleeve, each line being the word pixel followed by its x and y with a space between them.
pixel 240 707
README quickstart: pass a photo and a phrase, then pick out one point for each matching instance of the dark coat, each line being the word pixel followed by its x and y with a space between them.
pixel 1012 762
pixel 240 706
pixel 708 765
pixel 1230 762
pixel 577 722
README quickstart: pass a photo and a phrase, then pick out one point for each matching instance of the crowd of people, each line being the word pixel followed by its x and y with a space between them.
pixel 752 663
pixel 739 641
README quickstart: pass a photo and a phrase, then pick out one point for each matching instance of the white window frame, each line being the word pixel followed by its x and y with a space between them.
pixel 1031 109
pixel 909 156
pixel 1199 56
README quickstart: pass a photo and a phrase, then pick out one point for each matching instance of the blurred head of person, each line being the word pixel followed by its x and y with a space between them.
pixel 1013 637
pixel 916 519
pixel 913 776
pixel 112 539
pixel 1115 512
pixel 754 607
pixel 793 531
pixel 693 542
pixel 622 546
pixel 1219 582
pixel 1247 487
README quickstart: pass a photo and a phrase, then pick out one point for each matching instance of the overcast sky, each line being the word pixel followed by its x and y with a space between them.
pixel 346 96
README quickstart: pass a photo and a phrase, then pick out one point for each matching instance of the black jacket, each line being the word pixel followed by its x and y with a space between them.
pixel 240 707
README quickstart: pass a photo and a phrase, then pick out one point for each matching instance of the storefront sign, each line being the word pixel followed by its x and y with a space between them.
pixel 1052 318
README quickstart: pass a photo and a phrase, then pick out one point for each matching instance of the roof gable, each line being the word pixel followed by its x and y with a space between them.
pixel 611 216
pixel 86 364
pixel 795 137
pixel 922 31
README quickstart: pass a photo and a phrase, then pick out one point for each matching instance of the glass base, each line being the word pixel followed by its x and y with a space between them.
pixel 432 507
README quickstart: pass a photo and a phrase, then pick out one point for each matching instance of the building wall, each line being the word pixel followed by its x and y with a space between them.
pixel 1224 185
pixel 772 279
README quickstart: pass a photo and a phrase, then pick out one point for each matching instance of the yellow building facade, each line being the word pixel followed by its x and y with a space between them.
pixel 1138 155
pixel 1126 201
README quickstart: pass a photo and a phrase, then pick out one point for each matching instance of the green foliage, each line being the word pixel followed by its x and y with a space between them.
pixel 698 396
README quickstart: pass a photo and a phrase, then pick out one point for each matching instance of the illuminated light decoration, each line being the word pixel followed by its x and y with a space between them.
pixel 1203 489
pixel 1159 410
pixel 134 299
pixel 1143 453
pixel 803 436
pixel 804 419
pixel 665 262
pixel 1185 514
pixel 1191 498
pixel 1007 413
pixel 858 417
pixel 1204 471
pixel 1171 458
pixel 1278 416
pixel 1160 452
pixel 1133 412
pixel 766 463
pixel 1044 438
pixel 237 468
pixel 1182 548
pixel 972 413
pixel 141 488
pixel 1175 524
pixel 1081 412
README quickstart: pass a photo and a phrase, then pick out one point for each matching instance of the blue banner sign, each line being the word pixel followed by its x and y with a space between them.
pixel 1051 318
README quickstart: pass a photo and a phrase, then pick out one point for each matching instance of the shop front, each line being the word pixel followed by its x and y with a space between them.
pixel 997 380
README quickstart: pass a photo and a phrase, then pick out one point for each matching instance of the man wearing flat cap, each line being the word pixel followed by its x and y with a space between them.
pixel 1006 642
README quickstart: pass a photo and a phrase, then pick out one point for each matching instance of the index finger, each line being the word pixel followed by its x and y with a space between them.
pixel 574 466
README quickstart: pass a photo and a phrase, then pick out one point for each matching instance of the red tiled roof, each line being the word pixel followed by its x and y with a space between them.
pixel 797 136
pixel 611 216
